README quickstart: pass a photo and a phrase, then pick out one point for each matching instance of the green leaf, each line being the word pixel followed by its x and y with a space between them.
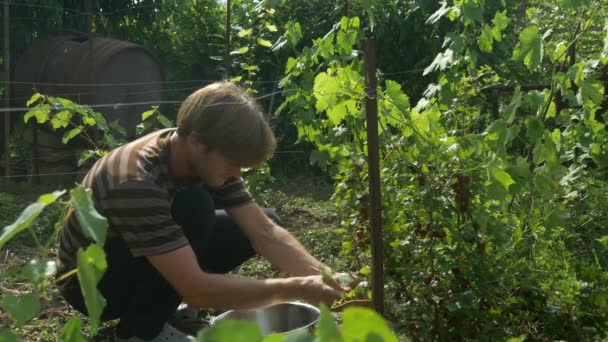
pixel 362 324
pixel 40 112
pixel 164 121
pixel 28 216
pixel 472 11
pixel 61 119
pixel 397 96
pixel 509 112
pixel 69 135
pixel 33 99
pixel 501 176
pixel 245 33
pixel 327 330
pixel 7 336
pixel 603 241
pixel 326 90
pixel 71 331
pixel 270 27
pixel 530 47
pixel 86 155
pixel 545 152
pixel 36 271
pixel 605 49
pixel 91 265
pixel 517 235
pixel 573 4
pixel 93 225
pixel 440 13
pixel 486 39
pixel 229 330
pixel 145 115
pixel 264 42
pixel 593 91
pixel 536 129
pixel 298 336
pixel 341 110
pixel 501 21
pixel 240 51
pixel 21 309
pixel 441 61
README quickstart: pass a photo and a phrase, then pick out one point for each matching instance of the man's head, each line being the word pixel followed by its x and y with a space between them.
pixel 226 122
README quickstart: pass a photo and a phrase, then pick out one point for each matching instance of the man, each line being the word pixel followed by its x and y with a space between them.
pixel 166 245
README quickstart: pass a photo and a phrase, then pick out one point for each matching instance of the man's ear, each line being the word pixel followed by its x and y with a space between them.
pixel 194 141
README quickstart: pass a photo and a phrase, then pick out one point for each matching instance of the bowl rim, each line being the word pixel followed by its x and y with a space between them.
pixel 221 316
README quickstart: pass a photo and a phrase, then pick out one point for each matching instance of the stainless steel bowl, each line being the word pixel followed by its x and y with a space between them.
pixel 278 318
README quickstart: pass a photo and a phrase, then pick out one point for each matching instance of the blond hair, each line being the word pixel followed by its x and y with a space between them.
pixel 227 119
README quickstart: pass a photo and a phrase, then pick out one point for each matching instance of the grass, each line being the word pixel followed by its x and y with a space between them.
pixel 302 203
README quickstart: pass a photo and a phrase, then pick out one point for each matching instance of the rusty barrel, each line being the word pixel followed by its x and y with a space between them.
pixel 119 79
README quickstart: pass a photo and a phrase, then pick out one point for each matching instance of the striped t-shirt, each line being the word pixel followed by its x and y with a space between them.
pixel 133 188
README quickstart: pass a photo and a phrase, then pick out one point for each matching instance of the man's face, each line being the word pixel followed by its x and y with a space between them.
pixel 213 168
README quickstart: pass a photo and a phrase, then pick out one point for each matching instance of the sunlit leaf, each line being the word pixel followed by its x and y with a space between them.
pixel 93 225
pixel 360 324
pixel 71 331
pixel 501 176
pixel 441 61
pixel 69 135
pixel 61 119
pixel 271 27
pixel 605 49
pixel 603 241
pixel 486 39
pixel 229 330
pixel 509 112
pixel 326 90
pixel 145 115
pixel 91 265
pixel 264 42
pixel 33 99
pixel 440 13
pixel 397 96
pixel 164 121
pixel 327 330
pixel 28 216
pixel 245 33
pixel 297 336
pixel 530 47
pixel 593 91
pixel 40 112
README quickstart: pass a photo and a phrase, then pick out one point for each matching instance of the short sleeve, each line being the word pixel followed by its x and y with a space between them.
pixel 231 194
pixel 140 212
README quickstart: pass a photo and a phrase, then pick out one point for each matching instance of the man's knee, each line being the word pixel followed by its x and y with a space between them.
pixel 268 211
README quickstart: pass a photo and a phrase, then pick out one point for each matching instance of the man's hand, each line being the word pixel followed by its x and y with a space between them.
pixel 343 281
pixel 315 290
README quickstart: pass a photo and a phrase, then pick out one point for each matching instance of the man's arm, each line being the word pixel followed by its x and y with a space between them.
pixel 201 289
pixel 274 242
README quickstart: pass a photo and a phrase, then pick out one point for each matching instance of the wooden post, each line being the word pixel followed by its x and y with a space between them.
pixel 373 153
pixel 7 93
pixel 228 47
pixel 87 10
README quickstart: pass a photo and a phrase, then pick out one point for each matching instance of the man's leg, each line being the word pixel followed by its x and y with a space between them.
pixel 220 246
pixel 134 291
